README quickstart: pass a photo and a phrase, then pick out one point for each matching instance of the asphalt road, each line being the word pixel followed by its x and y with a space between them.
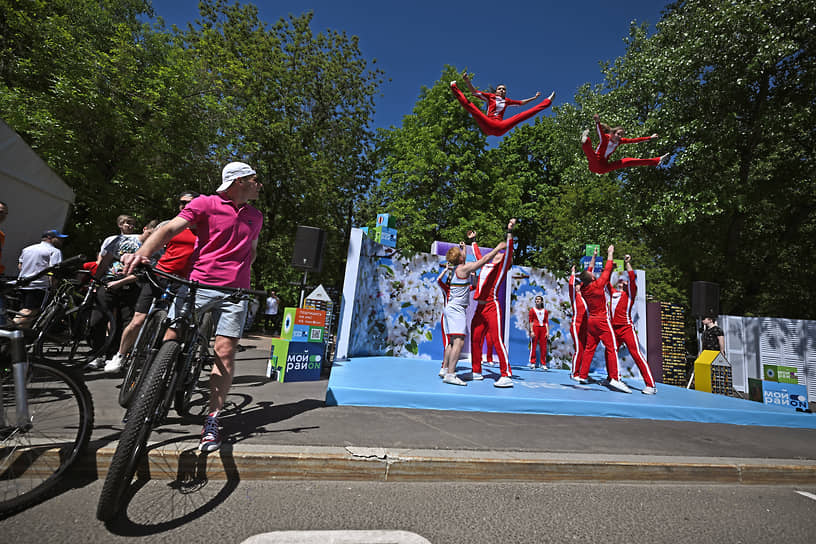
pixel 456 513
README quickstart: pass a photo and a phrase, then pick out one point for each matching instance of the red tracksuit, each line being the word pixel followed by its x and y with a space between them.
pixel 599 157
pixel 621 307
pixel 493 123
pixel 539 320
pixel 599 326
pixel 578 327
pixel 487 319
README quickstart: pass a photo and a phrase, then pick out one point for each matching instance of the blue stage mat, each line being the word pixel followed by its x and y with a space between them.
pixel 413 383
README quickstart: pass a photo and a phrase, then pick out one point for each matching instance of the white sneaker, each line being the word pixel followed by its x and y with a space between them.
pixel 544 367
pixel 475 376
pixel 532 366
pixel 453 379
pixel 584 136
pixel 114 364
pixel 649 390
pixel 579 379
pixel 504 381
pixel 97 363
pixel 442 372
pixel 618 385
pixel 453 83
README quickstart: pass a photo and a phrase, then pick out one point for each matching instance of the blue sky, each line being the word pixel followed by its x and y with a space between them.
pixel 542 46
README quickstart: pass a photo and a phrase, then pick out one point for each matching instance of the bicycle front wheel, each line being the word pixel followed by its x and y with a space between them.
pixel 142 416
pixel 199 357
pixel 143 350
pixel 34 456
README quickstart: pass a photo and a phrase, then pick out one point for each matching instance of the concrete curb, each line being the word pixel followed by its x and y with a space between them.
pixel 183 461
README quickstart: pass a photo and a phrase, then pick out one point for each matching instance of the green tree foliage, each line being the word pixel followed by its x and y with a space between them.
pixel 129 112
pixel 730 86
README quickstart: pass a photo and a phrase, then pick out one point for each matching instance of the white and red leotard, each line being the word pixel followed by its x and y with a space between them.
pixel 493 123
pixel 621 308
pixel 599 157
pixel 539 321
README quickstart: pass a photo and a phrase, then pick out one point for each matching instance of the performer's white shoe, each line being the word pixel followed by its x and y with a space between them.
pixel 649 390
pixel 453 83
pixel 453 379
pixel 618 385
pixel 442 372
pixel 584 136
pixel 475 376
pixel 504 381
pixel 532 366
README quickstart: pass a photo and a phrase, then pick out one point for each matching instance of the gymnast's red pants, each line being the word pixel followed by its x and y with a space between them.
pixel 625 335
pixel 487 321
pixel 599 330
pixel 599 165
pixel 538 339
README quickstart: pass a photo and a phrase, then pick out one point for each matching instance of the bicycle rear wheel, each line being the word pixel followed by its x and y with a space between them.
pixel 77 335
pixel 143 350
pixel 142 416
pixel 35 457
pixel 199 357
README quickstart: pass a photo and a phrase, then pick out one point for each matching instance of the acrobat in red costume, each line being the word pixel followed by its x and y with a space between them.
pixel 596 294
pixel 621 307
pixel 609 139
pixel 487 318
pixel 493 123
pixel 539 319
pixel 443 285
pixel 578 327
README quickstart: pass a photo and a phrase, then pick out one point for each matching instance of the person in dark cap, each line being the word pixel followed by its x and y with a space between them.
pixel 34 259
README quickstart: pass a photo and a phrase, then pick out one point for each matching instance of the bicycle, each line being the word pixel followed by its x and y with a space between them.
pixel 46 418
pixel 76 326
pixel 148 340
pixel 170 377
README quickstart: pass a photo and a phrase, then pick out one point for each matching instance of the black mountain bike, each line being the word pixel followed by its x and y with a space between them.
pixel 46 418
pixel 76 326
pixel 170 378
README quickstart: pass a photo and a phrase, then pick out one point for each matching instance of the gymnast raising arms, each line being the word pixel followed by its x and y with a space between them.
pixel 493 123
pixel 610 138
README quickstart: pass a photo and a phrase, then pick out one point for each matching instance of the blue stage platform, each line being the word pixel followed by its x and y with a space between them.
pixel 414 383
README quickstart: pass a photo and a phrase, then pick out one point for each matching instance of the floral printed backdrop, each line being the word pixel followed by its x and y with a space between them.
pixel 398 308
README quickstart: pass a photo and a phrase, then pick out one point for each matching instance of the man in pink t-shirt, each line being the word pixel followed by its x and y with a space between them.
pixel 227 228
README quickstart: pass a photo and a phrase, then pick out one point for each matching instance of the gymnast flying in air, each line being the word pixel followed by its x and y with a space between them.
pixel 610 138
pixel 493 123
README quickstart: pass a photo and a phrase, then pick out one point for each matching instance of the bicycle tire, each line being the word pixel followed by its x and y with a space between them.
pixel 199 356
pixel 34 460
pixel 132 445
pixel 143 350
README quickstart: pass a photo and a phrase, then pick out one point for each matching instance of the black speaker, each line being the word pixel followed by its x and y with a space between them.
pixel 705 299
pixel 308 252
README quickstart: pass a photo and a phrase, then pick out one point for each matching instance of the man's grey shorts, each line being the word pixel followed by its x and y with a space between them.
pixel 229 317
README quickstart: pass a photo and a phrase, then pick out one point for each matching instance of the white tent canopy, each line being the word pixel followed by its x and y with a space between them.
pixel 37 199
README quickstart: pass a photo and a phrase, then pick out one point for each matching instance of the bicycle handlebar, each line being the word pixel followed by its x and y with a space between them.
pixel 67 263
pixel 152 270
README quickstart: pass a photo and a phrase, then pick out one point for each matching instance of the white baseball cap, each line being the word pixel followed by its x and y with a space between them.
pixel 233 171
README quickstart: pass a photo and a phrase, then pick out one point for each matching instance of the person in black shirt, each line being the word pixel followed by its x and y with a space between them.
pixel 713 337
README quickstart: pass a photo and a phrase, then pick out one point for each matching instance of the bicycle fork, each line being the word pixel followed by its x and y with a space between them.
pixel 20 373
